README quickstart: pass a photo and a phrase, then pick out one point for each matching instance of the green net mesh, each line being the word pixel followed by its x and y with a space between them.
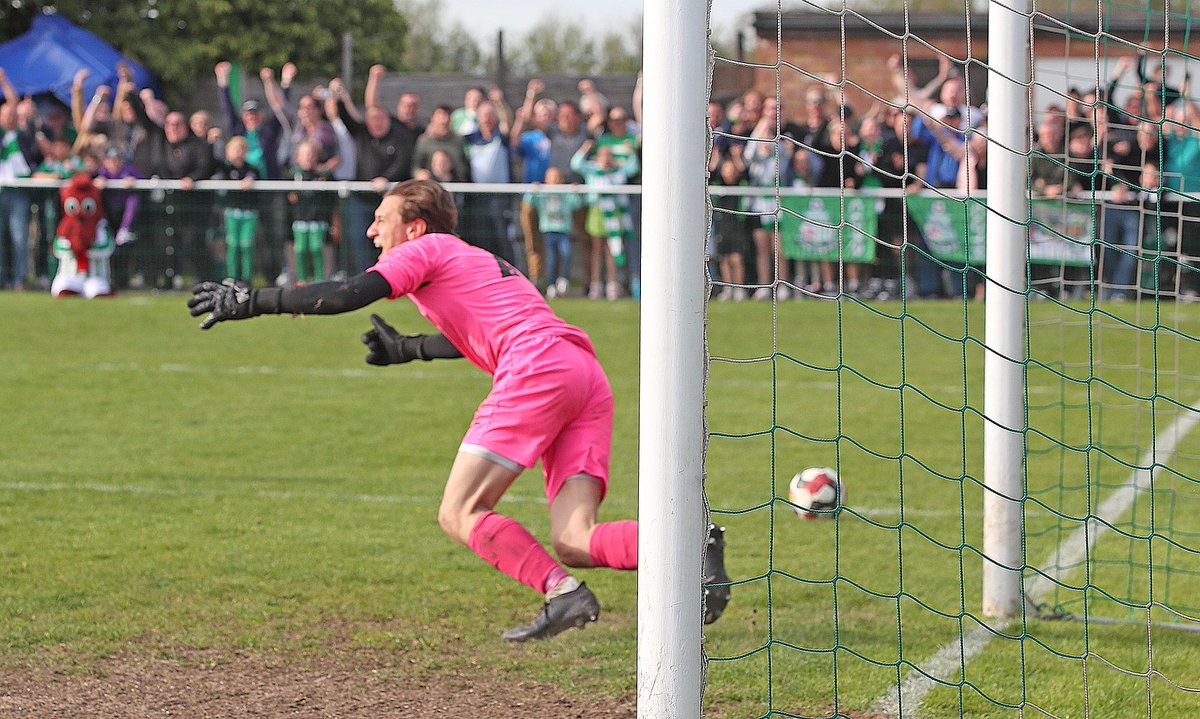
pixel 866 351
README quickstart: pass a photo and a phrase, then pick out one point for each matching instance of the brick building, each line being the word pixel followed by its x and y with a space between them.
pixel 814 45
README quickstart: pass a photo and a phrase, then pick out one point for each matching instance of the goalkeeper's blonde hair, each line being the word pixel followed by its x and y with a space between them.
pixel 427 200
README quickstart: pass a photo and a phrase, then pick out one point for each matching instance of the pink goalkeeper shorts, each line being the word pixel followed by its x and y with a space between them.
pixel 550 400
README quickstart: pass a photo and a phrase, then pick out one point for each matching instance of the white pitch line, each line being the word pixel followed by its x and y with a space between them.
pixel 429 500
pixel 170 368
pixel 905 700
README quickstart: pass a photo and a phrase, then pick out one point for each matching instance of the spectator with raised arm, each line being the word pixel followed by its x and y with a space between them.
pixel 594 107
pixel 749 110
pixel 263 133
pixel 306 121
pixel 946 139
pixel 532 145
pixel 127 130
pixel 945 136
pixel 153 106
pixel 408 107
pixel 381 158
pixel 93 119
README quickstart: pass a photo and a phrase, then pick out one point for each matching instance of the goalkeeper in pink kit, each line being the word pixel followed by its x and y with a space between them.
pixel 550 399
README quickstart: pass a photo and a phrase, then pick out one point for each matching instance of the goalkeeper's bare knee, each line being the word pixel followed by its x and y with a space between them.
pixel 572 549
pixel 457 524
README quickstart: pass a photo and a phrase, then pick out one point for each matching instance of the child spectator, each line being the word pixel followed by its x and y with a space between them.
pixel 555 212
pixel 441 166
pixel 115 177
pixel 92 161
pixel 608 215
pixel 59 163
pixel 241 210
pixel 729 225
pixel 311 212
pixel 120 205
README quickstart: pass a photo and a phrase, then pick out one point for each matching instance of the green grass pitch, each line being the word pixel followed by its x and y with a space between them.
pixel 259 488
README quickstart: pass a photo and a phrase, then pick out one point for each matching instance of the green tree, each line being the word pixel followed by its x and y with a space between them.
pixel 180 40
pixel 555 45
pixel 621 51
pixel 434 46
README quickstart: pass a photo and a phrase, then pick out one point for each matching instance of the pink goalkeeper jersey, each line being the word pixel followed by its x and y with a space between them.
pixel 479 301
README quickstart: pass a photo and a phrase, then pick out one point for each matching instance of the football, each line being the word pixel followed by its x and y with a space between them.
pixel 816 492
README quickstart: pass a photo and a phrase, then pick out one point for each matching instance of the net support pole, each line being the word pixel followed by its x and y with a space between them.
pixel 1006 298
pixel 671 510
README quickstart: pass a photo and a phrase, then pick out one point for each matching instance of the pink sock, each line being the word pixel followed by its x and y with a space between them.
pixel 509 547
pixel 614 545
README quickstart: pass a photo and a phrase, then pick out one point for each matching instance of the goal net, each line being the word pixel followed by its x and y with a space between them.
pixel 1020 534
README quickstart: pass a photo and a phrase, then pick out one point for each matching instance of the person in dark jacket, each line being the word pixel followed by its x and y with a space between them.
pixel 383 155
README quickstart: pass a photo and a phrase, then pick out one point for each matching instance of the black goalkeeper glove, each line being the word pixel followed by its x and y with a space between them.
pixel 231 300
pixel 387 346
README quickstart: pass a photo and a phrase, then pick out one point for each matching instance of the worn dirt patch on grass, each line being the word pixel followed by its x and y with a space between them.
pixel 244 685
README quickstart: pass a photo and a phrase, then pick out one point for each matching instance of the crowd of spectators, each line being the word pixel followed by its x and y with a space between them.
pixel 1130 148
pixel 121 134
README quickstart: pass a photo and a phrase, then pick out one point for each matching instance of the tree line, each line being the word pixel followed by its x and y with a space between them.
pixel 173 38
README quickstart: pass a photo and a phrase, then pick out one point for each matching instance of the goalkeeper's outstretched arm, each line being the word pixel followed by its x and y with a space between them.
pixel 324 298
pixel 233 300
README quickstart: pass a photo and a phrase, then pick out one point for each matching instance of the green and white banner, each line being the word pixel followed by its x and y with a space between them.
pixel 1060 232
pixel 812 229
pixel 953 229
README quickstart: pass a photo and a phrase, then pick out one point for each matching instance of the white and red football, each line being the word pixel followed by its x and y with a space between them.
pixel 816 492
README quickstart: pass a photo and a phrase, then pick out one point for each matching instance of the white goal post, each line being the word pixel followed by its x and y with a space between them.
pixel 671 511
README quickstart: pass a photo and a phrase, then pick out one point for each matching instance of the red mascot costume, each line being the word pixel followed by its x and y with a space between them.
pixel 82 243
